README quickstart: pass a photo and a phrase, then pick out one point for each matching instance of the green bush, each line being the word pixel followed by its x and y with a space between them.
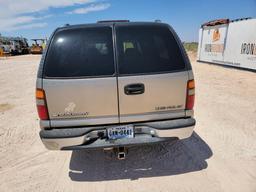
pixel 192 46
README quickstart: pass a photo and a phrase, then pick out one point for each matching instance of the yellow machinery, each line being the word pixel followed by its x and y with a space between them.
pixel 38 46
pixel 1 52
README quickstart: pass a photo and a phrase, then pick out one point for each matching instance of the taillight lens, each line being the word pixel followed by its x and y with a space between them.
pixel 41 104
pixel 42 112
pixel 190 95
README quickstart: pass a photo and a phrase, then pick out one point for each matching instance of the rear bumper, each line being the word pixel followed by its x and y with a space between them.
pixel 95 137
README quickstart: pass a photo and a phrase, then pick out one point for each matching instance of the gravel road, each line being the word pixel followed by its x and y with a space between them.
pixel 220 155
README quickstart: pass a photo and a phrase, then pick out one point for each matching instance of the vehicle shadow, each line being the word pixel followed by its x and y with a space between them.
pixel 168 158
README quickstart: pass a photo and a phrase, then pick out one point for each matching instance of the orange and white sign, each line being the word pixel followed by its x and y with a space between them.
pixel 216 35
pixel 231 44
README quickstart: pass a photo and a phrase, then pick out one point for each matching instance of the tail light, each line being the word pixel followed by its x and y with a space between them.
pixel 190 95
pixel 41 104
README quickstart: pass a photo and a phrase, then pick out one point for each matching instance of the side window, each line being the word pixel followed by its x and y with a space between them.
pixel 147 49
pixel 80 52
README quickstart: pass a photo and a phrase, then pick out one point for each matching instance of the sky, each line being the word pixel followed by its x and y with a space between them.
pixel 39 18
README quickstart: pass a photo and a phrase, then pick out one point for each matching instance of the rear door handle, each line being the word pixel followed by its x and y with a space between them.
pixel 134 89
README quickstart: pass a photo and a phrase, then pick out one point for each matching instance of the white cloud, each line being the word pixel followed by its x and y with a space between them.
pixel 11 7
pixel 90 8
pixel 23 22
pixel 28 26
pixel 16 14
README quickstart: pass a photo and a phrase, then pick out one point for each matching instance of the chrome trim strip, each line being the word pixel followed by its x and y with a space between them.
pixel 153 112
pixel 151 116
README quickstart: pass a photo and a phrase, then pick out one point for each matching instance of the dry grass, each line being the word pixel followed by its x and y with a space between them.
pixel 5 107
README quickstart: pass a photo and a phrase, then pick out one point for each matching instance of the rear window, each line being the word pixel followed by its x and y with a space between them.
pixel 147 49
pixel 80 52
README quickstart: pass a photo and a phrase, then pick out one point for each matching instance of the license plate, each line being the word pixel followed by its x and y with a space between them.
pixel 125 131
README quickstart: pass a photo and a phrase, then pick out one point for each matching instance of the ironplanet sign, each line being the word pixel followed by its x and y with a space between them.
pixel 248 48
pixel 231 43
pixel 216 48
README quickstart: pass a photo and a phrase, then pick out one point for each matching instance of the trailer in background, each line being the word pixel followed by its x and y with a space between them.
pixel 231 43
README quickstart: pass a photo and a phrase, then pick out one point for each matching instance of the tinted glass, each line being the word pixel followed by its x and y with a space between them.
pixel 147 49
pixel 80 52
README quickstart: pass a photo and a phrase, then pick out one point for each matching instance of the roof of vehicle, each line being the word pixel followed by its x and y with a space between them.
pixel 111 23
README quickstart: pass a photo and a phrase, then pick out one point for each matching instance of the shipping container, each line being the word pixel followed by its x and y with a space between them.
pixel 231 43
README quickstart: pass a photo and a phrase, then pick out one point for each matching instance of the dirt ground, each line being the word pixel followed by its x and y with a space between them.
pixel 220 155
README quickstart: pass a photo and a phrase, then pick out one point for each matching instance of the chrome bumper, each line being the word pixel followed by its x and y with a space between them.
pixel 151 132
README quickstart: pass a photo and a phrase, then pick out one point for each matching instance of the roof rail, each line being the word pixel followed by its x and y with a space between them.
pixel 113 21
